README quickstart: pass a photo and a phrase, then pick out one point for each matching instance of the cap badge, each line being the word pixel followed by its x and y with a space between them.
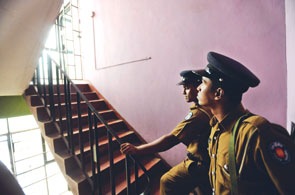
pixel 188 116
pixel 207 69
pixel 279 152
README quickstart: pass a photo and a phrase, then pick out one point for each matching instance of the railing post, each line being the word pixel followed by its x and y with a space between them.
pixel 50 85
pixel 97 176
pixel 69 115
pixel 111 159
pixel 136 177
pixel 127 168
pixel 94 118
pixel 58 95
pixel 38 79
pixel 90 124
pixel 81 141
pixel 34 77
pixel 44 82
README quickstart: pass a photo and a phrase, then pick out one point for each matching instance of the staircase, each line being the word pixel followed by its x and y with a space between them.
pixel 84 133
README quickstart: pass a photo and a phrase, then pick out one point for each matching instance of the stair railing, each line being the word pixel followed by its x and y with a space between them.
pixel 50 80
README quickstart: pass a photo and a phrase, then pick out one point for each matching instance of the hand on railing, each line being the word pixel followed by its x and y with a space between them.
pixel 128 148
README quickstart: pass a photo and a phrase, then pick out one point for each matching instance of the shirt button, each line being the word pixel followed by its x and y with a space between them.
pixel 225 167
pixel 213 155
pixel 213 172
pixel 214 137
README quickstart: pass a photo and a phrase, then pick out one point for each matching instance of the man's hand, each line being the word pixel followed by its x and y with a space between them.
pixel 127 148
pixel 159 145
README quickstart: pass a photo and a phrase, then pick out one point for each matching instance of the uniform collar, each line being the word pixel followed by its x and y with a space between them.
pixel 193 106
pixel 229 120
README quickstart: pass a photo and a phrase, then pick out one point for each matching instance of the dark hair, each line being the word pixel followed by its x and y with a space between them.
pixel 232 91
pixel 234 97
pixel 196 84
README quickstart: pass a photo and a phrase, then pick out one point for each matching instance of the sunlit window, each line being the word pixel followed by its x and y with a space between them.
pixel 27 156
pixel 3 126
pixel 22 123
pixel 63 41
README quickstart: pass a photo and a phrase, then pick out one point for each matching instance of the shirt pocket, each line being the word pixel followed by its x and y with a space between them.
pixel 222 171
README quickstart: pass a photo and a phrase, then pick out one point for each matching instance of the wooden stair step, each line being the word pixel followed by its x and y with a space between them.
pixel 102 143
pixel 98 105
pixel 121 184
pixel 36 100
pixel 82 87
pixel 83 115
pixel 99 126
pixel 68 163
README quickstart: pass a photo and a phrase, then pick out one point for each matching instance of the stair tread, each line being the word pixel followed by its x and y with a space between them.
pixel 122 184
pixel 112 122
pixel 72 103
pixel 81 102
pixel 121 128
pixel 118 158
pixel 103 141
pixel 62 94
pixel 86 115
pixel 85 129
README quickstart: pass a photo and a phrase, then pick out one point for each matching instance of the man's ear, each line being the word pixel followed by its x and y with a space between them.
pixel 219 93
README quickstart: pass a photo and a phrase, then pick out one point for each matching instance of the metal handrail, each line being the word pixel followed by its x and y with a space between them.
pixel 93 118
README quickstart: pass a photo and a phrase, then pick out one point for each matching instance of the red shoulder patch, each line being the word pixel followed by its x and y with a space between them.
pixel 279 152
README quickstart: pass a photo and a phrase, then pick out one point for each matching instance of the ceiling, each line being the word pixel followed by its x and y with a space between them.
pixel 24 26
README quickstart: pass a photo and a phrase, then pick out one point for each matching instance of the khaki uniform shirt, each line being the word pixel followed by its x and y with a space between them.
pixel 264 158
pixel 194 132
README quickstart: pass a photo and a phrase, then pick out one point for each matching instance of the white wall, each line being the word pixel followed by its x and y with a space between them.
pixel 290 44
pixel 24 26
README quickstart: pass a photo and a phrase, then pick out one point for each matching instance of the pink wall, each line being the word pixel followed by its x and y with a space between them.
pixel 177 36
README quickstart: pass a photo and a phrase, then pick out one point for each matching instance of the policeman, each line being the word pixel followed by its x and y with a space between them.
pixel 264 158
pixel 193 131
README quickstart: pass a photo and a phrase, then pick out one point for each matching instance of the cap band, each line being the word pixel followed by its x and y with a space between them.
pixel 214 74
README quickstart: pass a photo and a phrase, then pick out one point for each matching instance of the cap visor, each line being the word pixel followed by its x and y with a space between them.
pixel 202 73
pixel 181 83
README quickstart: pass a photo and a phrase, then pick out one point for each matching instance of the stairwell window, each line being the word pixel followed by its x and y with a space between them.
pixel 27 156
pixel 63 43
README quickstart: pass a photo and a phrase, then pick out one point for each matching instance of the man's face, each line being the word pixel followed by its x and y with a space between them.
pixel 190 93
pixel 205 93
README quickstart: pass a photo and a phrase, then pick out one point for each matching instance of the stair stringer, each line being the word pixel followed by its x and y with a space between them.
pixel 67 163
pixel 163 165
pixel 49 131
